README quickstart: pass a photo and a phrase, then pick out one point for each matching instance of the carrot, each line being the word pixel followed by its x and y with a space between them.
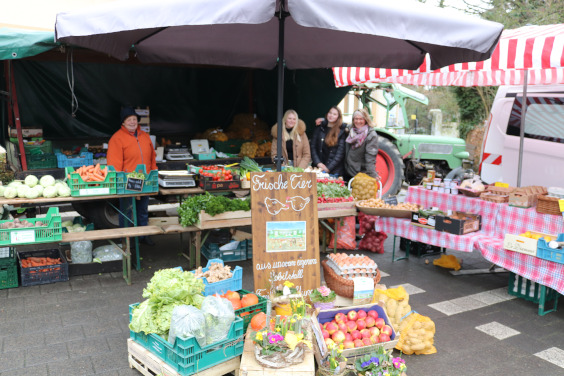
pixel 105 170
pixel 98 177
pixel 97 168
pixel 79 171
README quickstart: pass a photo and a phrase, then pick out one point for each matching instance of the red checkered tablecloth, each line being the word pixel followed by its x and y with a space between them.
pixel 497 220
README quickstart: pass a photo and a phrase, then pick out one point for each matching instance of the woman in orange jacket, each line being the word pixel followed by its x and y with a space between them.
pixel 129 147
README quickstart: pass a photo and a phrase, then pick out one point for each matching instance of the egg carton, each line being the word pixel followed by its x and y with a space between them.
pixel 359 267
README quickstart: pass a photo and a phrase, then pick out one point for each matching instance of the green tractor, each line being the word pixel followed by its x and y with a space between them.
pixel 408 156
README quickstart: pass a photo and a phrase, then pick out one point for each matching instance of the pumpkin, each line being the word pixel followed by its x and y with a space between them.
pixel 232 295
pixel 249 300
pixel 258 321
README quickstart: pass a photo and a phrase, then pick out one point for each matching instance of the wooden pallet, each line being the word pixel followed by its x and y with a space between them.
pixel 150 365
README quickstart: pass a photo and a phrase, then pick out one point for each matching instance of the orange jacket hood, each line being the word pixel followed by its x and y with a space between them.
pixel 126 151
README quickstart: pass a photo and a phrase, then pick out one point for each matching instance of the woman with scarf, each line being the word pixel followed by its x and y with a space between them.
pixel 362 146
pixel 328 143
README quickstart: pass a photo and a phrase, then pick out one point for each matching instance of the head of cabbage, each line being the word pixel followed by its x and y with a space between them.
pixel 22 190
pixel 10 192
pixel 50 192
pixel 31 181
pixel 47 181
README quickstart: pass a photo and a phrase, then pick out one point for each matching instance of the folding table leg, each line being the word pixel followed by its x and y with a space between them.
pixel 394 251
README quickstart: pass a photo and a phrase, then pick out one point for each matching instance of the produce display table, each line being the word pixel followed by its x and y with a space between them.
pixel 497 220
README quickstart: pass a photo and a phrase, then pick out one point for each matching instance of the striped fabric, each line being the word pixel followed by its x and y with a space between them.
pixel 540 49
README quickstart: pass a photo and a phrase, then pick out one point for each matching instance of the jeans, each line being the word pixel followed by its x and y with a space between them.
pixel 141 206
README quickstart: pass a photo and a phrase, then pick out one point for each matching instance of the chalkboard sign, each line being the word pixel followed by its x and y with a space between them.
pixel 393 200
pixel 134 184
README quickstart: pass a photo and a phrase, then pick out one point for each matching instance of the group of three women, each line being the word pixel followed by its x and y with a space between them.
pixel 335 148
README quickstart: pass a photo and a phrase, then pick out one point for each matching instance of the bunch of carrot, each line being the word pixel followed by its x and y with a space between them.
pixel 92 173
pixel 40 261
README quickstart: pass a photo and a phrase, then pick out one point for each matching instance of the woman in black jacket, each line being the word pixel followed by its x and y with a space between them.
pixel 328 143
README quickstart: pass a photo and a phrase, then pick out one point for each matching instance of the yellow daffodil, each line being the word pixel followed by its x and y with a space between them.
pixel 300 336
pixel 259 336
pixel 292 341
pixel 288 284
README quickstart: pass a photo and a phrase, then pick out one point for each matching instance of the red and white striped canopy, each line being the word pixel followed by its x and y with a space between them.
pixel 540 49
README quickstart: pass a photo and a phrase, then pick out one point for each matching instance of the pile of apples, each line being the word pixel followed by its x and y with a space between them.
pixel 356 329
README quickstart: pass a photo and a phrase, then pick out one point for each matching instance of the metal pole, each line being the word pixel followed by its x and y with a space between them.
pixel 522 128
pixel 280 104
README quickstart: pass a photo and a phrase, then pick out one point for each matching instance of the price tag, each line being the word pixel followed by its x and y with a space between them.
pixel 134 184
pixel 501 185
pixel 22 236
pixel 393 200
pixel 561 204
pixel 363 290
pixel 94 191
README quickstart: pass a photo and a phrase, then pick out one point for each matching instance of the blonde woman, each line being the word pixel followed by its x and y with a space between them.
pixel 362 146
pixel 295 145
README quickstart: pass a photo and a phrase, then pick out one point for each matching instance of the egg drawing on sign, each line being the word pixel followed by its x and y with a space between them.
pixel 298 202
pixel 273 206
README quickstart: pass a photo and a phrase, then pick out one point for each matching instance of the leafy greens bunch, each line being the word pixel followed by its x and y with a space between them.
pixel 189 210
pixel 167 289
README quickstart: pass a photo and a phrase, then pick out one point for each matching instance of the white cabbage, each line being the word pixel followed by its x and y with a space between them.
pixel 50 192
pixel 31 181
pixel 47 181
pixel 10 192
pixel 64 191
pixel 22 189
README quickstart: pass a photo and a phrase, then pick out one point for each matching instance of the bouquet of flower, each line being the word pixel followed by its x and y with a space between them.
pixel 323 297
pixel 287 300
pixel 380 363
pixel 335 363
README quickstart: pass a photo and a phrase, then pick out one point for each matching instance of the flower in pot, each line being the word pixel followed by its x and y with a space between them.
pixel 323 297
pixel 380 362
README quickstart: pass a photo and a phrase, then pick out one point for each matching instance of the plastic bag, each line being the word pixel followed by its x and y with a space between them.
pixel 447 261
pixel 187 321
pixel 219 315
pixel 396 303
pixel 346 234
pixel 107 252
pixel 417 335
pixel 81 252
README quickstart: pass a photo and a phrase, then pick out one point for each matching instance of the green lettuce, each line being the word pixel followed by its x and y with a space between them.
pixel 167 289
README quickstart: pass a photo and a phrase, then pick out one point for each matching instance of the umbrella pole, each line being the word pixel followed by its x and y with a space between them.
pixel 522 128
pixel 280 105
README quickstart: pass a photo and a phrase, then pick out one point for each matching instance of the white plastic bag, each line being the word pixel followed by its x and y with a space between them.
pixel 107 252
pixel 81 252
pixel 219 315
pixel 187 321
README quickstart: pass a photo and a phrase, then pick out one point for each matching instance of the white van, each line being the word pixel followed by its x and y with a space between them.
pixel 543 149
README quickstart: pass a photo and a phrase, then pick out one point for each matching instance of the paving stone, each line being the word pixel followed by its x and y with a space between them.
pixel 28 371
pixel 109 282
pixel 11 329
pixel 79 317
pixel 24 291
pixel 112 361
pixel 17 302
pixel 88 346
pixel 82 284
pixel 54 288
pixel 118 341
pixel 447 307
pixel 128 372
pixel 410 289
pixel 72 296
pixel 553 355
pixel 23 341
pixel 11 360
pixel 42 323
pixel 101 328
pixel 64 334
pixel 468 304
pixel 498 330
pixel 37 355
pixel 75 367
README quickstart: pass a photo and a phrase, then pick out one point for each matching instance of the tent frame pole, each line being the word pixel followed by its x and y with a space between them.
pixel 522 127
pixel 280 102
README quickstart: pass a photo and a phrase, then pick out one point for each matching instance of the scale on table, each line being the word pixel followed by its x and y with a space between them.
pixel 176 179
pixel 177 152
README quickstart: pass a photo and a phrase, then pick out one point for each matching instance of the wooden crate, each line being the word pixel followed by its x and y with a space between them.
pixel 150 365
pixel 250 366
pixel 227 219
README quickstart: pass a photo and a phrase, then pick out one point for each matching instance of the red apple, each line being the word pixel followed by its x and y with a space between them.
pixel 348 344
pixel 348 337
pixel 380 323
pixel 340 318
pixel 383 337
pixel 374 339
pixel 370 322
pixel 331 328
pixel 329 342
pixel 338 337
pixel 325 333
pixel 360 324
pixel 366 341
pixel 351 326
pixel 358 343
pixel 355 334
pixel 387 329
pixel 374 331
pixel 321 326
pixel 372 313
pixel 352 316
pixel 361 314
pixel 365 333
pixel 343 327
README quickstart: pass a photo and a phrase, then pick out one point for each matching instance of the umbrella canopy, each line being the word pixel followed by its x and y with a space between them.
pixel 538 49
pixel 245 33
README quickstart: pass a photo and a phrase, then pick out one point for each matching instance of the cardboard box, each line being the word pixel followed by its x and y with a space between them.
pixel 320 349
pixel 144 119
pixel 422 221
pixel 26 132
pixel 459 223
pixel 523 244
pixel 526 197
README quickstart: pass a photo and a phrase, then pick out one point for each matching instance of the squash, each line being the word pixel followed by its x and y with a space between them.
pixel 258 321
pixel 249 300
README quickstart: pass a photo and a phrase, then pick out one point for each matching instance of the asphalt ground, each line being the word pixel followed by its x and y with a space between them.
pixel 80 327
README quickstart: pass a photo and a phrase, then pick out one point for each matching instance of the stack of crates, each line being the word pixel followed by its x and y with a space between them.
pixel 8 268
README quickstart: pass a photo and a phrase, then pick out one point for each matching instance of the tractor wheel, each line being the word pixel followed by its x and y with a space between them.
pixel 102 214
pixel 389 165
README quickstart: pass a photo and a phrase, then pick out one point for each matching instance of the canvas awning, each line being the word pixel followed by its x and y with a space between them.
pixel 538 49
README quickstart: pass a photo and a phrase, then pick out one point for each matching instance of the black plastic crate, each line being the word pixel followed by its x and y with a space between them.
pixel 40 275
pixel 418 249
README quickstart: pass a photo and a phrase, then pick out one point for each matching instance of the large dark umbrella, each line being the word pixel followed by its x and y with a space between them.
pixel 298 34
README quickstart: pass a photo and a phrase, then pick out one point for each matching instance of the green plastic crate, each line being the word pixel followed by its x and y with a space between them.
pixel 250 311
pixel 39 161
pixel 45 148
pixel 8 276
pixel 7 256
pixel 212 251
pixel 150 185
pixel 533 292
pixel 52 232
pixel 229 146
pixel 80 188
pixel 186 356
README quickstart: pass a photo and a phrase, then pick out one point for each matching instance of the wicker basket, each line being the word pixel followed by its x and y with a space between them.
pixel 548 205
pixel 342 286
